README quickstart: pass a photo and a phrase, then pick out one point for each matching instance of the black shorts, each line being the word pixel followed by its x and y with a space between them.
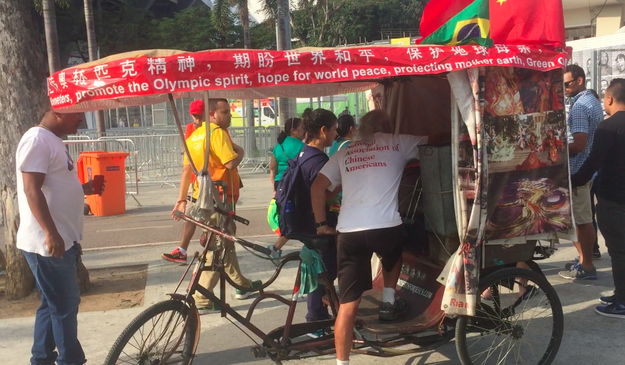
pixel 354 258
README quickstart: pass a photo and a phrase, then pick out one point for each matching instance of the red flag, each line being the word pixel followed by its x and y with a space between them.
pixel 527 22
pixel 511 21
pixel 438 12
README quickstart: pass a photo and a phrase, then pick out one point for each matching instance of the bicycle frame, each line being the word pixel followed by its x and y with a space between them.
pixel 281 347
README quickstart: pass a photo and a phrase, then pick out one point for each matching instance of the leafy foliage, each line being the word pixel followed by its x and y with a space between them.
pixel 124 25
pixel 194 29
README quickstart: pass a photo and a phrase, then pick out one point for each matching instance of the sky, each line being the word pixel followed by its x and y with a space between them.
pixel 255 9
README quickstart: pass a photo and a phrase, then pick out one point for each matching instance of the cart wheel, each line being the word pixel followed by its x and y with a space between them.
pixel 511 327
pixel 163 334
pixel 86 209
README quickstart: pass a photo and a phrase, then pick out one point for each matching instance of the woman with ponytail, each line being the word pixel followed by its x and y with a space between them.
pixel 346 128
pixel 289 145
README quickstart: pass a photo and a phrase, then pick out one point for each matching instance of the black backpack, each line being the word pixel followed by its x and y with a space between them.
pixel 293 200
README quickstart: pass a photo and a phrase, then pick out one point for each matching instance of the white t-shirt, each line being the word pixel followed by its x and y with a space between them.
pixel 42 151
pixel 370 174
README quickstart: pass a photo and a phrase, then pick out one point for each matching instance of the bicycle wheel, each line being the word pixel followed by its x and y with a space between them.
pixel 521 323
pixel 162 334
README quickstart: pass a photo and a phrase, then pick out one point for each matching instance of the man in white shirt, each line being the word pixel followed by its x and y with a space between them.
pixel 369 171
pixel 51 201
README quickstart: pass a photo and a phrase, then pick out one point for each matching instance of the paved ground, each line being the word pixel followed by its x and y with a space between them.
pixel 147 232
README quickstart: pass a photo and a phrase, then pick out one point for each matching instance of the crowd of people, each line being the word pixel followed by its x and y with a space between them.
pixel 359 178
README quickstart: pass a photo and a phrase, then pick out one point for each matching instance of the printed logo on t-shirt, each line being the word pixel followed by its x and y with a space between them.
pixel 360 162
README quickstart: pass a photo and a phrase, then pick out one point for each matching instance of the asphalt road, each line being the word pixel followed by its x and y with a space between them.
pixel 154 225
pixel 151 223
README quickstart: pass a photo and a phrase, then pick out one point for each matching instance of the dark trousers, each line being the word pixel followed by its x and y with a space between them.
pixel 593 194
pixel 56 323
pixel 317 311
pixel 611 219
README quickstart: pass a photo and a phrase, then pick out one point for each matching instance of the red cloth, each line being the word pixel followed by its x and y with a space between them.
pixel 527 22
pixel 438 12
pixel 520 22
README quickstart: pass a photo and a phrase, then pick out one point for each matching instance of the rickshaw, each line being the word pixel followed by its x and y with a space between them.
pixel 480 210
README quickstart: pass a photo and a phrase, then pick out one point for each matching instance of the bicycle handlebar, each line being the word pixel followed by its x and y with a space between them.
pixel 234 216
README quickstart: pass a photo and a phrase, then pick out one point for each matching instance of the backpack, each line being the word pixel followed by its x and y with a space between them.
pixel 294 206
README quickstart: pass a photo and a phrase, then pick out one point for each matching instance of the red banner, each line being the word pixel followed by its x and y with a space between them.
pixel 245 74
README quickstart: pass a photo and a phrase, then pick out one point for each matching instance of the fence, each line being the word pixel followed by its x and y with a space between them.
pixel 159 118
pixel 81 144
pixel 157 158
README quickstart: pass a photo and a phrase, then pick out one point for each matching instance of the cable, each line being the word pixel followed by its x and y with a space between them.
pixel 596 16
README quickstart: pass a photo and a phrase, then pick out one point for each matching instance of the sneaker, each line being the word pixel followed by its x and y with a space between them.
pixel 243 294
pixel 211 308
pixel 614 310
pixel 529 292
pixel 274 254
pixel 578 273
pixel 607 299
pixel 390 312
pixel 596 254
pixel 316 334
pixel 176 256
pixel 570 265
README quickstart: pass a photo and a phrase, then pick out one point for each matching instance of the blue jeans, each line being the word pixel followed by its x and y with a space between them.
pixel 56 324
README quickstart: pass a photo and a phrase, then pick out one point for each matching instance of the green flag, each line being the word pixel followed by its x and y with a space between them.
pixel 469 26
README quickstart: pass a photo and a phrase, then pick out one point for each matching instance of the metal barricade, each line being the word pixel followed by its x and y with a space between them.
pixel 77 145
pixel 159 158
pixel 257 155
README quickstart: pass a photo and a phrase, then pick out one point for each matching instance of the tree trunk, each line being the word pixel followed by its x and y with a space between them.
pixel 244 16
pixel 23 98
pixel 3 261
pixel 283 44
pixel 93 55
pixel 52 41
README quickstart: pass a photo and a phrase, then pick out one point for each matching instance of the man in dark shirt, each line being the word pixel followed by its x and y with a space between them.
pixel 608 157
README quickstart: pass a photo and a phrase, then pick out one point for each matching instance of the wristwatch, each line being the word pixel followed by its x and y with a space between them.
pixel 319 225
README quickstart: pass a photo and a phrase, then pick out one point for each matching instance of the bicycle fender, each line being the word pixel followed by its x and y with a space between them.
pixel 193 316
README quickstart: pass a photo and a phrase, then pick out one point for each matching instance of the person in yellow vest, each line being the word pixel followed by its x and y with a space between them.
pixel 224 158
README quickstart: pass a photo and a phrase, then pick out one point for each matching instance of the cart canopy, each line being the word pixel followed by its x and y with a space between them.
pixel 146 77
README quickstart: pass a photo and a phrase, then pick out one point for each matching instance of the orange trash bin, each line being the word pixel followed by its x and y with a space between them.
pixel 113 166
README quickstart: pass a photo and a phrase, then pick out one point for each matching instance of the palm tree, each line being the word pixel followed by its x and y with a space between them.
pixel 21 49
pixel 52 40
pixel 93 55
pixel 221 15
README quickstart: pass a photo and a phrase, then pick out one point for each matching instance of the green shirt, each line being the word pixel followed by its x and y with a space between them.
pixel 338 144
pixel 291 146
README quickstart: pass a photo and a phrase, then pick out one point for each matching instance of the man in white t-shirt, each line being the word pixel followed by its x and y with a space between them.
pixel 370 173
pixel 51 201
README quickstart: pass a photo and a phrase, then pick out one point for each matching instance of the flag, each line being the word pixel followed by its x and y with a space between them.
pixel 493 21
pixel 527 22
pixel 468 25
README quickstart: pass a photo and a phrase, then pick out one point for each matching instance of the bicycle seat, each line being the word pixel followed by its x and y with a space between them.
pixel 314 241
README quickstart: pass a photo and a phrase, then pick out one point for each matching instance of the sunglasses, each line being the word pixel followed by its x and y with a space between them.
pixel 568 83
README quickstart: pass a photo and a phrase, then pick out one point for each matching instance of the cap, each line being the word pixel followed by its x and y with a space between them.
pixel 196 107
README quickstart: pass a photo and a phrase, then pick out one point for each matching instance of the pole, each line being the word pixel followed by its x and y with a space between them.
pixel 93 55
pixel 283 33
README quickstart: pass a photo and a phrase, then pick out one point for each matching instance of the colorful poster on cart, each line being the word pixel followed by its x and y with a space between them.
pixel 528 171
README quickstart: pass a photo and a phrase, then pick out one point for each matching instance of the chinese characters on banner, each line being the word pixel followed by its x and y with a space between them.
pixel 155 74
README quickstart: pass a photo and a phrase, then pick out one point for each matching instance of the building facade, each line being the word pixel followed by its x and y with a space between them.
pixel 592 18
